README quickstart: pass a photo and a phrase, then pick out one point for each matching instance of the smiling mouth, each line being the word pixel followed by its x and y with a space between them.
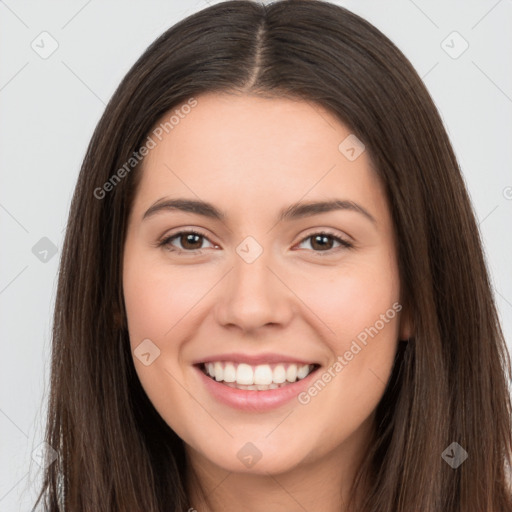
pixel 256 377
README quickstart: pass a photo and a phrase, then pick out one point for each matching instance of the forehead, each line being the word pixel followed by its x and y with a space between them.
pixel 246 150
pixel 246 126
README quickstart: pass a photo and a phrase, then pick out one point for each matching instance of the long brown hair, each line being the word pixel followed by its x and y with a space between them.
pixel 449 382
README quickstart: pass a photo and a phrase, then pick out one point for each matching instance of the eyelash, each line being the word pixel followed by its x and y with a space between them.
pixel 167 240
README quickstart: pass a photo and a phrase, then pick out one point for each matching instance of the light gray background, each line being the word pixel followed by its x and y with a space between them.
pixel 49 108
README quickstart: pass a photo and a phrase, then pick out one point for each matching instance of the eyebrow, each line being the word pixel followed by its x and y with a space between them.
pixel 294 211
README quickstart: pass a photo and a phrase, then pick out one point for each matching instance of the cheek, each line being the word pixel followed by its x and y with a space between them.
pixel 353 298
pixel 348 390
pixel 159 302
pixel 157 297
pixel 360 306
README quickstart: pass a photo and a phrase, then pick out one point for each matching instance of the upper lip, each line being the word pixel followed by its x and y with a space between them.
pixel 254 359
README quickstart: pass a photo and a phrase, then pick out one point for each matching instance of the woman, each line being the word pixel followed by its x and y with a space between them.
pixel 331 342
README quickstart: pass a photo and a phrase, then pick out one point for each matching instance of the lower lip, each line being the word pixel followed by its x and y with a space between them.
pixel 253 400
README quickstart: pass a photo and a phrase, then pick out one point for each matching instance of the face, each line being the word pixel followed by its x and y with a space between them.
pixel 263 291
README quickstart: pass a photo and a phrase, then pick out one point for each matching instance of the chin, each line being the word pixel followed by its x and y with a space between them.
pixel 256 458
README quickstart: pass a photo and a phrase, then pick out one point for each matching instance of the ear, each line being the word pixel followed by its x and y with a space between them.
pixel 406 328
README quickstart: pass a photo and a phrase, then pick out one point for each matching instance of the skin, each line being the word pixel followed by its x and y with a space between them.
pixel 251 157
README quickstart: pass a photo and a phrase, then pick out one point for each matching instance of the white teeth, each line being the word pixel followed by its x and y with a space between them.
pixel 244 374
pixel 260 377
pixel 263 375
pixel 291 373
pixel 229 373
pixel 302 372
pixel 279 375
pixel 219 372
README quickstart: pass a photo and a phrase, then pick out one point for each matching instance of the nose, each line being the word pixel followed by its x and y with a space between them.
pixel 254 295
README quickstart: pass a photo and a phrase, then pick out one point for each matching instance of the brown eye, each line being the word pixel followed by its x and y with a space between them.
pixel 323 242
pixel 190 241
